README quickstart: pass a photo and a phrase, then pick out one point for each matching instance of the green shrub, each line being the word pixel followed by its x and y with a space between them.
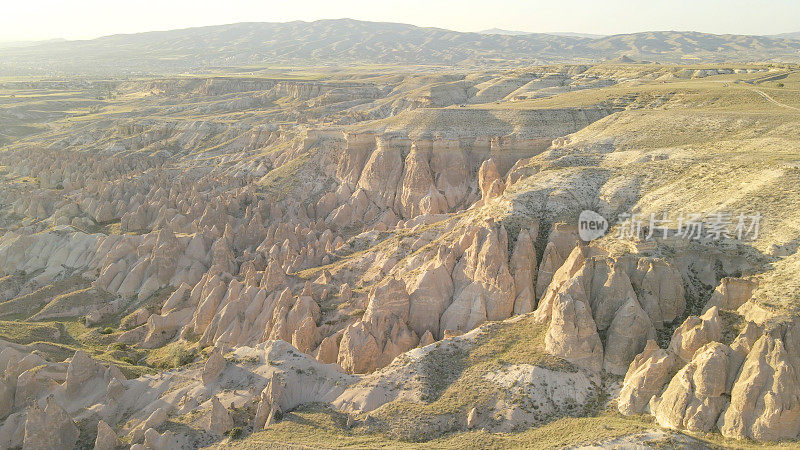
pixel 236 433
pixel 180 356
pixel 107 330
pixel 171 356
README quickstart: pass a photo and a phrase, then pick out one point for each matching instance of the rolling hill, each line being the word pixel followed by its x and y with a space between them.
pixel 346 41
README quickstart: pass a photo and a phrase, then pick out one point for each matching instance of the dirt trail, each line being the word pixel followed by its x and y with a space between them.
pixel 772 100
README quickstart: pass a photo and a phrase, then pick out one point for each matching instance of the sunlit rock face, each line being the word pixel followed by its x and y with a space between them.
pixel 199 258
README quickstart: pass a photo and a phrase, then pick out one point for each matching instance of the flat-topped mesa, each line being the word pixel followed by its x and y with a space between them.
pixel 269 88
pixel 312 136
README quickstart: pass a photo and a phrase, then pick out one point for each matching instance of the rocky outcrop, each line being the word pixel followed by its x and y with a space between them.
pixel 106 437
pixel 219 420
pixel 483 287
pixel 764 401
pixel 648 373
pixel 49 428
pixel 50 255
pixel 627 336
pixel 746 390
pixel 429 295
pixel 616 293
pixel 383 171
pixel 382 334
pixel 731 293
pixel 81 369
pixel 696 396
pixel 268 403
pixel 154 420
pixel 563 238
pixel 213 367
pixel 661 291
pixel 154 440
pixel 696 332
pixel 523 266
pixel 572 333
pixel 489 181
pixel 418 193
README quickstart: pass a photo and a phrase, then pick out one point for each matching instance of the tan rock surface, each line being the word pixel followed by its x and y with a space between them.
pixel 731 293
pixel 646 377
pixel 213 366
pixel 106 437
pixel 764 402
pixel 695 397
pixel 49 428
pixel 572 334
pixel 696 332
pixel 627 336
pixel 219 419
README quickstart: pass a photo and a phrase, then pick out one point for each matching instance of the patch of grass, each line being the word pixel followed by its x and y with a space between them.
pixel 29 304
pixel 170 356
pixel 236 433
pixel 280 181
pixel 454 381
pixel 21 332
pixel 319 426
pixel 118 346
pixel 60 340
pixel 313 425
pixel 73 303
pixel 441 367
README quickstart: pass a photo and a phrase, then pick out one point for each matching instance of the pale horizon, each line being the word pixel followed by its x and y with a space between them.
pixel 89 19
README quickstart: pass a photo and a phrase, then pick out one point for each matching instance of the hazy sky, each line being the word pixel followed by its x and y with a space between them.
pixel 83 19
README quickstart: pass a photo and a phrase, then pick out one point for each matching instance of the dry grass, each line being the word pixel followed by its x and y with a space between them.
pixel 453 380
pixel 30 304
pixel 317 426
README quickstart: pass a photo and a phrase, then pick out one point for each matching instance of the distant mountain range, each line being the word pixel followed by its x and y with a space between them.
pixel 795 35
pixel 9 44
pixel 523 33
pixel 346 41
